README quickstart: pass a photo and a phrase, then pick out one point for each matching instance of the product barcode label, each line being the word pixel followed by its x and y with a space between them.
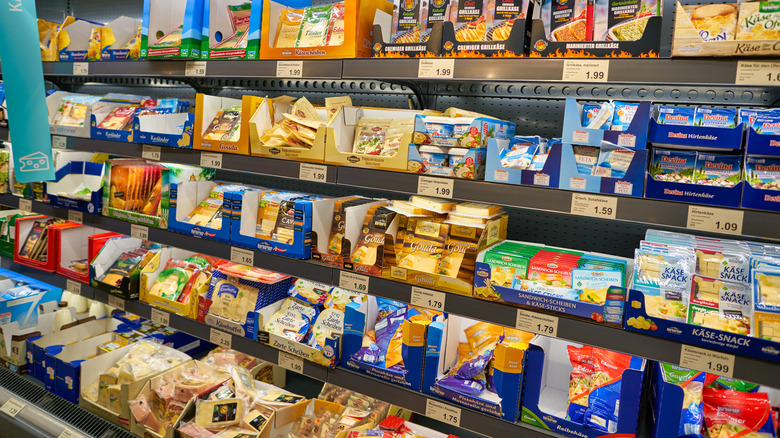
pixel 80 68
pixel 59 142
pixel 701 359
pixel 719 220
pixel 501 175
pixel 436 68
pixel 585 70
pixel 542 179
pixel 537 323
pixel 594 206
pixel 439 187
pixel 757 73
pixel 69 433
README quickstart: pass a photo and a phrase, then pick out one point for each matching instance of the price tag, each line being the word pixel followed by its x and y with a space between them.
pixel 73 287
pixel 289 69
pixel 139 232
pixel 757 73
pixel 151 152
pixel 59 142
pixel 68 433
pixel 25 204
pixel 161 317
pixel 429 299
pixel 436 68
pixel 80 68
pixel 700 359
pixel 594 206
pixel 719 220
pixel 313 172
pixel 12 407
pixel 537 323
pixel 115 301
pixel 356 282
pixel 442 412
pixel 441 187
pixel 580 137
pixel 195 68
pixel 76 216
pixel 210 159
pixel 242 256
pixel 221 338
pixel 290 362
pixel 585 70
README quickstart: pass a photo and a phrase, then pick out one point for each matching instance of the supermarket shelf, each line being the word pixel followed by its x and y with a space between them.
pixel 4 134
pixel 676 71
pixel 569 328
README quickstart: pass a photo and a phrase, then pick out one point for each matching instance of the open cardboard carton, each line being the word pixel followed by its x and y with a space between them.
pixel 48 35
pixel 173 130
pixel 149 276
pixel 70 177
pixel 548 176
pixel 358 19
pixel 328 356
pixel 207 107
pixel 121 39
pixel 13 350
pixel 23 228
pixel 515 45
pixel 647 46
pixel 147 390
pixel 74 41
pixel 53 102
pixel 546 388
pixel 67 365
pixel 111 251
pixel 359 318
pixel 383 47
pixel 768 147
pixel 8 231
pixel 341 138
pixel 162 17
pixel 486 236
pixel 23 310
pixel 441 355
pixel 285 418
pixel 184 198
pixel 102 108
pixel 350 225
pixel 219 25
pixel 74 245
pixel 264 118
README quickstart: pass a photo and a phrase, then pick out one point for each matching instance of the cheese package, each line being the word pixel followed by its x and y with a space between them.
pixel 722 305
pixel 758 20
pixel 673 166
pixel 219 413
pixel 119 119
pixel 718 170
pixel 504 15
pixel 314 26
pixel 477 209
pixel 766 293
pixel 470 19
pixel 336 25
pixel 692 383
pixel 424 247
pixel 372 235
pixel 288 323
pixel 715 22
pixel 234 294
pixel 338 224
pixel 309 291
pixel 329 323
pixel 433 204
pixel 437 12
pixel 225 126
pixel 407 27
pixel 289 27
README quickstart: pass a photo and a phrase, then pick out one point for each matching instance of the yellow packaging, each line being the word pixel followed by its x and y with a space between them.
pixel 289 26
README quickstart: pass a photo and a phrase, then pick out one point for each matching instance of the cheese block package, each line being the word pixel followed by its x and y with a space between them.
pixel 310 291
pixel 234 293
pixel 372 235
pixel 289 323
pixel 470 19
pixel 314 26
pixel 225 126
pixel 758 20
pixel 289 27
pixel 504 15
pixel 407 27
pixel 715 22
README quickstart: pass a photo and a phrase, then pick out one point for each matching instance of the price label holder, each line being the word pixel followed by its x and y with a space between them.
pixel 80 68
pixel 161 317
pixel 430 299
pixel 69 433
pixel 73 287
pixel 290 362
pixel 211 159
pixel 583 204
pixel 139 232
pixel 12 407
pixel 710 361
pixel 220 338
pixel 151 152
pixel 313 172
pixel 718 220
pixel 439 187
pixel 356 282
pixel 76 216
pixel 25 204
pixel 537 323
pixel 442 412
pixel 289 69
pixel 757 73
pixel 436 69
pixel 585 70
pixel 195 68
pixel 115 301
pixel 59 142
pixel 242 256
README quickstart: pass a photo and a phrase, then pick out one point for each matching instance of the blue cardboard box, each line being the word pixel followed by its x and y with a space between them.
pixel 184 198
pixel 172 130
pixel 548 176
pixel 68 178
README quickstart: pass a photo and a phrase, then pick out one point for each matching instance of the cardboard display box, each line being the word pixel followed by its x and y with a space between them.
pixel 163 17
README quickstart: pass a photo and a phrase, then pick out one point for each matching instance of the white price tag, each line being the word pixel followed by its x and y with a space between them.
pixel 440 187
pixel 542 179
pixel 290 362
pixel 80 68
pixel 436 68
pixel 139 232
pixel 313 172
pixel 537 323
pixel 59 142
pixel 442 412
pixel 242 256
pixel 289 69
pixel 76 216
pixel 73 287
pixel 161 317
pixel 585 70
pixel 719 220
pixel 700 359
pixel 151 152
pixel 25 204
pixel 757 73
pixel 195 68
pixel 12 407
pixel 356 282
pixel 221 338
pixel 69 433
pixel 210 159
pixel 580 137
pixel 627 140
pixel 594 206
pixel 115 301
pixel 427 298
